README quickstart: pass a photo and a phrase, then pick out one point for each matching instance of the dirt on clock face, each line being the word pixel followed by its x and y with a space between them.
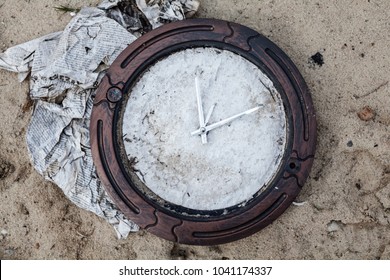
pixel 204 129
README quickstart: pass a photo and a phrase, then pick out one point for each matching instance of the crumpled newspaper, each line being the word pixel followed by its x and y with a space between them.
pixel 66 68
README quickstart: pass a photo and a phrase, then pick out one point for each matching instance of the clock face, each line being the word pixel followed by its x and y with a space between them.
pixel 203 132
pixel 205 129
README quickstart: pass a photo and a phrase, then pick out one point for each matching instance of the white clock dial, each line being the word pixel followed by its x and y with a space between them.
pixel 205 129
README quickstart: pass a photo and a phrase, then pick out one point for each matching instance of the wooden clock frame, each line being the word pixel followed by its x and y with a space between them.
pixel 174 222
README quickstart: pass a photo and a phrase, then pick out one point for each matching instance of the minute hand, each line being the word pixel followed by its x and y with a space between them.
pixel 225 121
pixel 200 109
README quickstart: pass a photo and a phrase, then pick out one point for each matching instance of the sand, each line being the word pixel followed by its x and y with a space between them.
pixel 341 49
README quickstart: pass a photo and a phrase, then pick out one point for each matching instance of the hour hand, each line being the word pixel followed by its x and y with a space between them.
pixel 224 121
pixel 209 114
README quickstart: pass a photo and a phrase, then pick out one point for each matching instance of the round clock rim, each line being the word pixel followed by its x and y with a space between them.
pixel 166 206
pixel 301 133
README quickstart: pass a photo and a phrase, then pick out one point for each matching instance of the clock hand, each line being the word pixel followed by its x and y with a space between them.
pixel 225 121
pixel 202 123
pixel 209 113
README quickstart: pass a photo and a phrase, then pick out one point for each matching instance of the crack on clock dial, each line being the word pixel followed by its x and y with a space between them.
pixel 269 90
pixel 145 118
pixel 141 174
pixel 132 163
pixel 161 162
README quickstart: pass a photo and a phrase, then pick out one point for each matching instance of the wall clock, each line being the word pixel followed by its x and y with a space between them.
pixel 203 131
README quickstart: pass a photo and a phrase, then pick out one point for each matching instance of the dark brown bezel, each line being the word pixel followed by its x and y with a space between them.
pixel 211 227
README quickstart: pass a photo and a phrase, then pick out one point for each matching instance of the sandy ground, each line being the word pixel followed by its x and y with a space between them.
pixel 347 210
